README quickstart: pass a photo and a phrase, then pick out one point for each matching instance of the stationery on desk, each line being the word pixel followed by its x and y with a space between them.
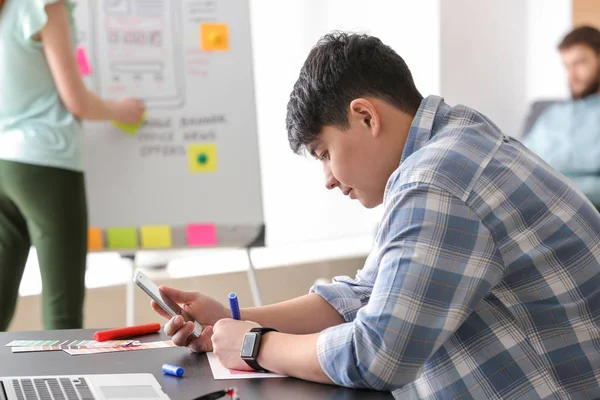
pixel 103 342
pixel 220 372
pixel 28 346
pixel 127 332
pixel 161 344
pixel 234 306
pixel 120 340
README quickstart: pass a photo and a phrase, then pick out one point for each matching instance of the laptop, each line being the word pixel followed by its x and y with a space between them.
pixel 81 387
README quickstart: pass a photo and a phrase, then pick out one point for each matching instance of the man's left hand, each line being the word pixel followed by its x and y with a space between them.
pixel 227 338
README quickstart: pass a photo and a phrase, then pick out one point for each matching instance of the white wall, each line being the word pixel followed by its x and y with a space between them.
pixel 494 55
pixel 483 60
pixel 304 220
pixel 297 205
pixel 547 23
pixel 499 56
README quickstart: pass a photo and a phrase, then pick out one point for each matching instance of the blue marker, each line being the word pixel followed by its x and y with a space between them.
pixel 234 306
pixel 172 370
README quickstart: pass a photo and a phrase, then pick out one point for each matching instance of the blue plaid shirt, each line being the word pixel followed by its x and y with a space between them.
pixel 484 282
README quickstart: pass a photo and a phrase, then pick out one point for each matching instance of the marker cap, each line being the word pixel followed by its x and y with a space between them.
pixel 172 370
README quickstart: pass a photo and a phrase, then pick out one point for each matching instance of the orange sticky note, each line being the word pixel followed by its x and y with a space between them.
pixel 95 241
pixel 214 37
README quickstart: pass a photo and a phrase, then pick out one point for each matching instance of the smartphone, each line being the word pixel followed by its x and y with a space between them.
pixel 164 301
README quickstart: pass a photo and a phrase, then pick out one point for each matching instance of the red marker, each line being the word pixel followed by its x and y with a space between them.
pixel 127 332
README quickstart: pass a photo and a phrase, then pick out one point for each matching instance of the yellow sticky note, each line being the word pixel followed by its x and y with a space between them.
pixel 155 237
pixel 202 157
pixel 130 129
pixel 214 37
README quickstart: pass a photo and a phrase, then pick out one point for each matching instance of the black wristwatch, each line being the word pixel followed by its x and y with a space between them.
pixel 250 346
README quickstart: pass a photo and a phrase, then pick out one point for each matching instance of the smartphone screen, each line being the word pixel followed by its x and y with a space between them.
pixel 148 284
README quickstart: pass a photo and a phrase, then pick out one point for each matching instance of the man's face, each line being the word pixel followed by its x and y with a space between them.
pixel 359 160
pixel 583 70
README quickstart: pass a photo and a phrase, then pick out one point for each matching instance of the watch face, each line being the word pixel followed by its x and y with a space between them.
pixel 248 344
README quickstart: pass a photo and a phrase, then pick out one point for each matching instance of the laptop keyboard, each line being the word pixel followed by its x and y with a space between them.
pixel 52 389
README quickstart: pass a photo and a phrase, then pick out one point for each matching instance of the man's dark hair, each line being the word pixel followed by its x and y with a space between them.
pixel 340 68
pixel 586 35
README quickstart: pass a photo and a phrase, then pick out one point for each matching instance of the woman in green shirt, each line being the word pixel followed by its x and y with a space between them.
pixel 42 190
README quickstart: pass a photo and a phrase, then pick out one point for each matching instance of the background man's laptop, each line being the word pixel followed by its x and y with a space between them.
pixel 81 387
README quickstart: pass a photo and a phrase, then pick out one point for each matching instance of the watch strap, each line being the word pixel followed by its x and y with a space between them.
pixel 262 330
pixel 252 361
pixel 254 365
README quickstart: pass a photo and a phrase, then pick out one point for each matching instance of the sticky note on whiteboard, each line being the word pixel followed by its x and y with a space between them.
pixel 214 37
pixel 130 129
pixel 201 235
pixel 82 61
pixel 122 238
pixel 95 239
pixel 202 157
pixel 156 237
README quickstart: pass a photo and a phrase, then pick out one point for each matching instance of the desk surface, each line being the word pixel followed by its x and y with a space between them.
pixel 197 380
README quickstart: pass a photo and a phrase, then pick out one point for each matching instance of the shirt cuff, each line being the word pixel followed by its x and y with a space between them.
pixel 336 355
pixel 341 297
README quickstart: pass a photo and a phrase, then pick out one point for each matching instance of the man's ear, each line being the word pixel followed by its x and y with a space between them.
pixel 363 113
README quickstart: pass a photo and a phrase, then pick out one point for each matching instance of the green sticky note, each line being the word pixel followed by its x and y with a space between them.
pixel 130 129
pixel 122 238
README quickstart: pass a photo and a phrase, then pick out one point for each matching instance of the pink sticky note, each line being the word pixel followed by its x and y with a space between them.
pixel 84 65
pixel 201 235
pixel 239 372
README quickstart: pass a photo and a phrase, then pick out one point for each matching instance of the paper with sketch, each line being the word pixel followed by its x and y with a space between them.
pixel 141 346
pixel 220 372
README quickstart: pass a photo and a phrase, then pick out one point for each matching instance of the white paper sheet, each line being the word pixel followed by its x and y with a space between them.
pixel 220 372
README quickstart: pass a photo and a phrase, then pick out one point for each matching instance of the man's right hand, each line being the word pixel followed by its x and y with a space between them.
pixel 204 309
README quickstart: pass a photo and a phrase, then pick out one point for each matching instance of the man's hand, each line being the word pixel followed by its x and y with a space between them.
pixel 227 342
pixel 181 334
pixel 203 309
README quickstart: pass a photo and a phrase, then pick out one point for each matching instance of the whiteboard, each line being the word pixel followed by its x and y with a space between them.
pixel 190 176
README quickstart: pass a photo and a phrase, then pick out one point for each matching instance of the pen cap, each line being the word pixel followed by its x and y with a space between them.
pixel 234 306
pixel 172 370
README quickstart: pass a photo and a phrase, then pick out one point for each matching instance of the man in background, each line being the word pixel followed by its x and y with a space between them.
pixel 567 134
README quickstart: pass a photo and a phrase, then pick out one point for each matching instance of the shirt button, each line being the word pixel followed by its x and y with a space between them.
pixel 506 139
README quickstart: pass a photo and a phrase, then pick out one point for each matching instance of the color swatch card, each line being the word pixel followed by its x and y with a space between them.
pixel 220 372
pixel 56 345
pixel 40 343
pixel 142 346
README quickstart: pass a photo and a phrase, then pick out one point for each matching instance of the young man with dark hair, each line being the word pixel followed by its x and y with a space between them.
pixel 484 279
pixel 566 135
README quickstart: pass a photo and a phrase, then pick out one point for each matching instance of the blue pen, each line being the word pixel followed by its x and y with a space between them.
pixel 234 306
